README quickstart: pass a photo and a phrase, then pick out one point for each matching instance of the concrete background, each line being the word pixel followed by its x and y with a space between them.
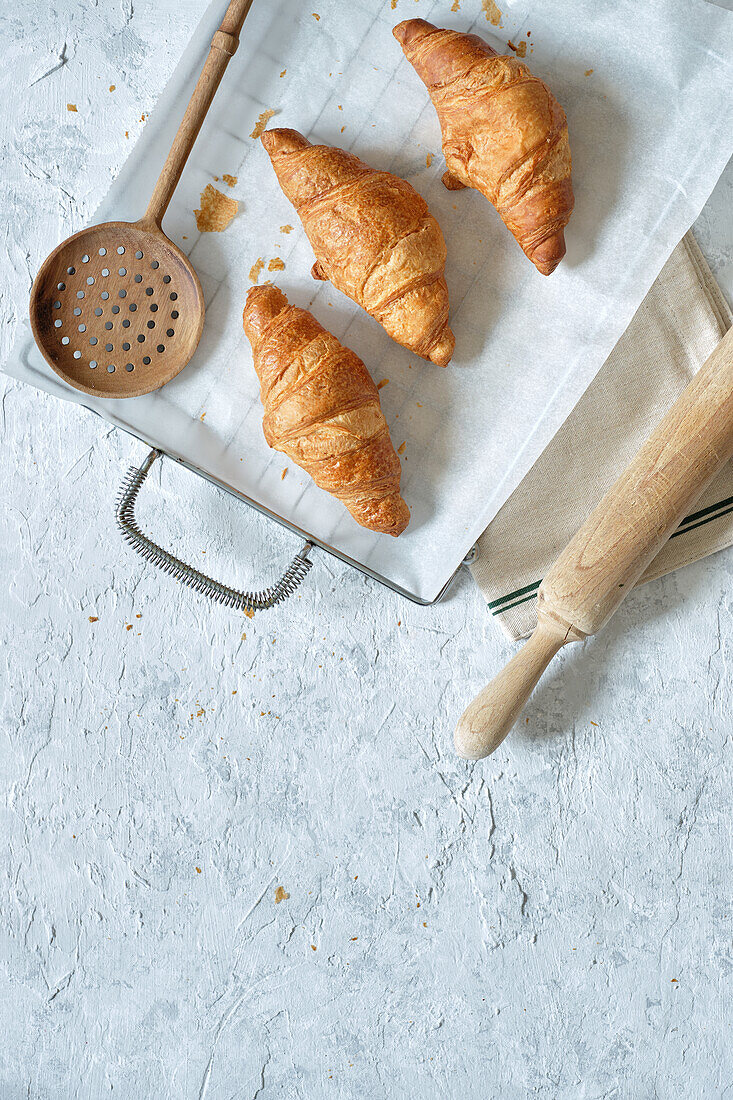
pixel 554 922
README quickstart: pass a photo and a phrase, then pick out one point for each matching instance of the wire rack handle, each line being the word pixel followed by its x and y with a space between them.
pixel 207 586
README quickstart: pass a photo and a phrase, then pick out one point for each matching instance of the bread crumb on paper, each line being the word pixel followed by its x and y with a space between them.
pixel 394 4
pixel 261 124
pixel 249 612
pixel 286 229
pixel 217 211
pixel 284 474
pixel 229 180
pixel 428 160
pixel 456 5
pixel 276 264
pixel 71 107
pixel 316 16
pixel 520 50
pixel 281 895
pixel 382 384
pixel 112 87
pixel 588 72
pixel 492 13
pixel 256 268
pixel 401 448
pixel 94 618
pixel 282 74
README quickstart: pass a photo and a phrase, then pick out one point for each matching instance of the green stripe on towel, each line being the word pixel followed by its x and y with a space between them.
pixel 704 516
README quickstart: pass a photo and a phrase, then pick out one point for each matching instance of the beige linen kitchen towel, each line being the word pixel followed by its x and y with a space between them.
pixel 678 324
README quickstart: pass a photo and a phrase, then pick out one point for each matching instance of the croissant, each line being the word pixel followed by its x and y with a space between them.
pixel 504 133
pixel 373 237
pixel 322 410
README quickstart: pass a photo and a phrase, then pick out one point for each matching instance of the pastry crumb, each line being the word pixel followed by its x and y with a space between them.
pixel 71 107
pixel 382 384
pixel 428 160
pixel 282 74
pixel 492 13
pixel 394 4
pixel 230 180
pixel 283 475
pixel 144 116
pixel 520 50
pixel 281 895
pixel 127 133
pixel 261 124
pixel 249 612
pixel 401 448
pixel 342 129
pixel 317 18
pixel 217 211
pixel 256 268
pixel 276 264
pixel 588 72
pixel 94 618
pixel 286 229
pixel 456 5
pixel 112 87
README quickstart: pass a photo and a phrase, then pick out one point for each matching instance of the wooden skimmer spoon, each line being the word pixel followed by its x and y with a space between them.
pixel 615 545
pixel 117 309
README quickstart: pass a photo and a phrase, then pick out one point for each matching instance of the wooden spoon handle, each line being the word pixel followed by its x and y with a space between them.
pixel 606 557
pixel 223 46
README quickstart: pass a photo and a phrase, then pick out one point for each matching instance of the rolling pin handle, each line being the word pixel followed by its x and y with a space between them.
pixel 487 720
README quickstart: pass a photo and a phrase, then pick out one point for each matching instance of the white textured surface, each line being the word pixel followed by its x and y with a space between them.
pixel 562 885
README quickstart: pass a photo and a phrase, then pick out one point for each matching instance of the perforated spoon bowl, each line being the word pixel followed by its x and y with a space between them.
pixel 117 309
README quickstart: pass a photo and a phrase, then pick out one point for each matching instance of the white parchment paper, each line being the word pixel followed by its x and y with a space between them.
pixel 647 90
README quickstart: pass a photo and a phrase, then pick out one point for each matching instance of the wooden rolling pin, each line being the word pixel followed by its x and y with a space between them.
pixel 614 546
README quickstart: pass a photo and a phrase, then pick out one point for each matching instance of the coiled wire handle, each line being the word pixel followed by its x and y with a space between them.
pixel 156 555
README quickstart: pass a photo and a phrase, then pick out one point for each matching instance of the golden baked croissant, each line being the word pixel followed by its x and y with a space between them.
pixel 322 410
pixel 373 237
pixel 504 133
